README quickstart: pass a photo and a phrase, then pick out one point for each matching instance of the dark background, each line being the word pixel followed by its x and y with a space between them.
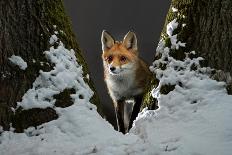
pixel 90 17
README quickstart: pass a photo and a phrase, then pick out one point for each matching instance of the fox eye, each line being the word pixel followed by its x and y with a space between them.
pixel 123 58
pixel 110 58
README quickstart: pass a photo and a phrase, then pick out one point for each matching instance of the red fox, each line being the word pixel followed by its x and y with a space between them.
pixel 126 75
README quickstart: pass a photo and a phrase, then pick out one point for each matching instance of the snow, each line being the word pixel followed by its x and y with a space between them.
pixel 183 25
pixel 171 27
pixel 174 9
pixel 173 38
pixel 67 73
pixel 17 60
pixel 193 119
pixel 187 127
pixel 78 130
pixel 53 39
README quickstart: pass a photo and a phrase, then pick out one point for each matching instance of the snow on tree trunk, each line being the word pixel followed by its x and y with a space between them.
pixel 26 28
pixel 206 28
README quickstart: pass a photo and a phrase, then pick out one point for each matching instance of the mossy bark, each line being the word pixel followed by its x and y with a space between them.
pixel 25 29
pixel 206 28
pixel 148 101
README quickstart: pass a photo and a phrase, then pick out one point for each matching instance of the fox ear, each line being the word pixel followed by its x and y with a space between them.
pixel 130 41
pixel 107 40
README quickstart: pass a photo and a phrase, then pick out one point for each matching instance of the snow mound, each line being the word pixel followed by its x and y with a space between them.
pixel 67 73
pixel 193 118
pixel 78 131
pixel 17 60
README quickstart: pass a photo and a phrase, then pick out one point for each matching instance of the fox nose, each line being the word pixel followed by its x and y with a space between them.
pixel 112 69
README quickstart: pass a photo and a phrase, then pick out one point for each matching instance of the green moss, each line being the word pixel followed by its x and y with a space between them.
pixel 168 42
pixel 148 101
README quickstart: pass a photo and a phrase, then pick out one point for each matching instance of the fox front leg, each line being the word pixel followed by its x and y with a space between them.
pixel 136 108
pixel 119 111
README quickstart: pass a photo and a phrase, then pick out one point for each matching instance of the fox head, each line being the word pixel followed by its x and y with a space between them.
pixel 119 57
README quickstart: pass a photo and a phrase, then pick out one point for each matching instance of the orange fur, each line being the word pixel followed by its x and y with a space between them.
pixel 117 50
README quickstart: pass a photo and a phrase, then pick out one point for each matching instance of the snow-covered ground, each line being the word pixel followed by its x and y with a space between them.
pixel 193 119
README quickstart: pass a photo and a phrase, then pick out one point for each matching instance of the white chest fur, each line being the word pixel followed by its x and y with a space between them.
pixel 123 86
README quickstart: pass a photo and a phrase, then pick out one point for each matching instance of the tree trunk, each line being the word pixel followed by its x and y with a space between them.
pixel 25 29
pixel 208 32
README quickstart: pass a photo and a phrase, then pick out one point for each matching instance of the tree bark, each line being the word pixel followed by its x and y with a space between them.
pixel 25 29
pixel 208 32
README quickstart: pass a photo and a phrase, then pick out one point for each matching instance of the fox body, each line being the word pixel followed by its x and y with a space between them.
pixel 126 75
